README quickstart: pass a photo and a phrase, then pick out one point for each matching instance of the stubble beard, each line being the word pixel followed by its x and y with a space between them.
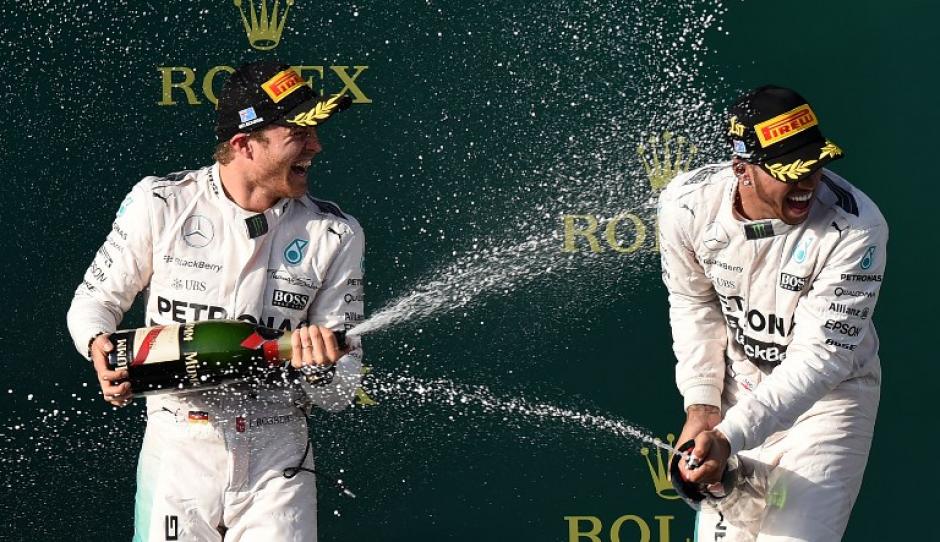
pixel 278 182
pixel 776 209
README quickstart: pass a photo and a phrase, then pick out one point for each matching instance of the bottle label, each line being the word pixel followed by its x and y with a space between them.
pixel 176 357
pixel 148 345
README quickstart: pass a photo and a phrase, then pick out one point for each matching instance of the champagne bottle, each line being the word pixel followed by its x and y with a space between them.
pixel 198 355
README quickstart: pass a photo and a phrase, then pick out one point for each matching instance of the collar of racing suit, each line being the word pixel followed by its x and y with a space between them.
pixel 269 217
pixel 751 229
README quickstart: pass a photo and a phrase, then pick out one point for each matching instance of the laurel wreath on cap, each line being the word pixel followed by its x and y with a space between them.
pixel 791 171
pixel 318 114
pixel 829 149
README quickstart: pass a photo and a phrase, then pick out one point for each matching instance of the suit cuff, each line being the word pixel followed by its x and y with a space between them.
pixel 733 434
pixel 702 394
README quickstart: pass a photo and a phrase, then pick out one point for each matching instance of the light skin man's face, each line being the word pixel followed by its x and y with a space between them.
pixel 280 162
pixel 769 198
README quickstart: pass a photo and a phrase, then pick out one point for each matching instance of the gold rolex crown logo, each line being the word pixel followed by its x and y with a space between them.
pixel 263 26
pixel 660 472
pixel 663 161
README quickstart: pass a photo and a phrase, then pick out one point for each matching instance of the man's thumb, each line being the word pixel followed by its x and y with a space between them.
pixel 703 445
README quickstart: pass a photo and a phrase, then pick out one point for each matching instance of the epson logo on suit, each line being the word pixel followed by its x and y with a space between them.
pixel 289 300
pixel 792 282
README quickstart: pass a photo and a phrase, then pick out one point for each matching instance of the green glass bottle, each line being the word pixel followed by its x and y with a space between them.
pixel 198 355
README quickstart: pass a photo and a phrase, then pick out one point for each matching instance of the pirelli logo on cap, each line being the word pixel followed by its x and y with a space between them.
pixel 282 84
pixel 783 126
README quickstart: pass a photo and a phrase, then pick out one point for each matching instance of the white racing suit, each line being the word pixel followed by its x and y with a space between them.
pixel 212 462
pixel 773 324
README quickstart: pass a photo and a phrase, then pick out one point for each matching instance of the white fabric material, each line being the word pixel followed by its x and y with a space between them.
pixel 181 241
pixel 803 482
pixel 195 476
pixel 798 302
pixel 776 330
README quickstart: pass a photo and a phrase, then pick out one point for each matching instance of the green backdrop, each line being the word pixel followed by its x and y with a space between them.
pixel 478 126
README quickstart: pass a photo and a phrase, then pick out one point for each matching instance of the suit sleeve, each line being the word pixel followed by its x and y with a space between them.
pixel 698 327
pixel 832 322
pixel 122 267
pixel 339 305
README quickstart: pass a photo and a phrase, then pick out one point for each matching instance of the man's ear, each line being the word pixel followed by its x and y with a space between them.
pixel 239 144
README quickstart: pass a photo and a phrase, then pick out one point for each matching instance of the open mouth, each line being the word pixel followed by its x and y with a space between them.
pixel 799 201
pixel 300 168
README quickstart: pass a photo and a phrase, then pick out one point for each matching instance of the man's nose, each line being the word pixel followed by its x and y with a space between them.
pixel 313 142
pixel 810 182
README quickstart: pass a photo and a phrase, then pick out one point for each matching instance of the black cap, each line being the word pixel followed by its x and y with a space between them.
pixel 775 128
pixel 261 93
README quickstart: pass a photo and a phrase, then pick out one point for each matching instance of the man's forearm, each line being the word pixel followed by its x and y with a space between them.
pixel 703 409
pixel 702 417
pixel 699 418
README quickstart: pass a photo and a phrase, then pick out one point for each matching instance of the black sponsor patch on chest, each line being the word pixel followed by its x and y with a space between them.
pixel 289 300
pixel 758 230
pixel 792 282
pixel 257 225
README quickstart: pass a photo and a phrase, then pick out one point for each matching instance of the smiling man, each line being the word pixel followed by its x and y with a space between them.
pixel 238 239
pixel 773 266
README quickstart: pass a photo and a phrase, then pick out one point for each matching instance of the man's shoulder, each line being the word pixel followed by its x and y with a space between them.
pixel 694 198
pixel 852 207
pixel 175 179
pixel 323 210
pixel 158 198
pixel 706 182
pixel 172 186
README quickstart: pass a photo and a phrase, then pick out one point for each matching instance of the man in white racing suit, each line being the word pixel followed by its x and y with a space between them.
pixel 239 239
pixel 773 266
